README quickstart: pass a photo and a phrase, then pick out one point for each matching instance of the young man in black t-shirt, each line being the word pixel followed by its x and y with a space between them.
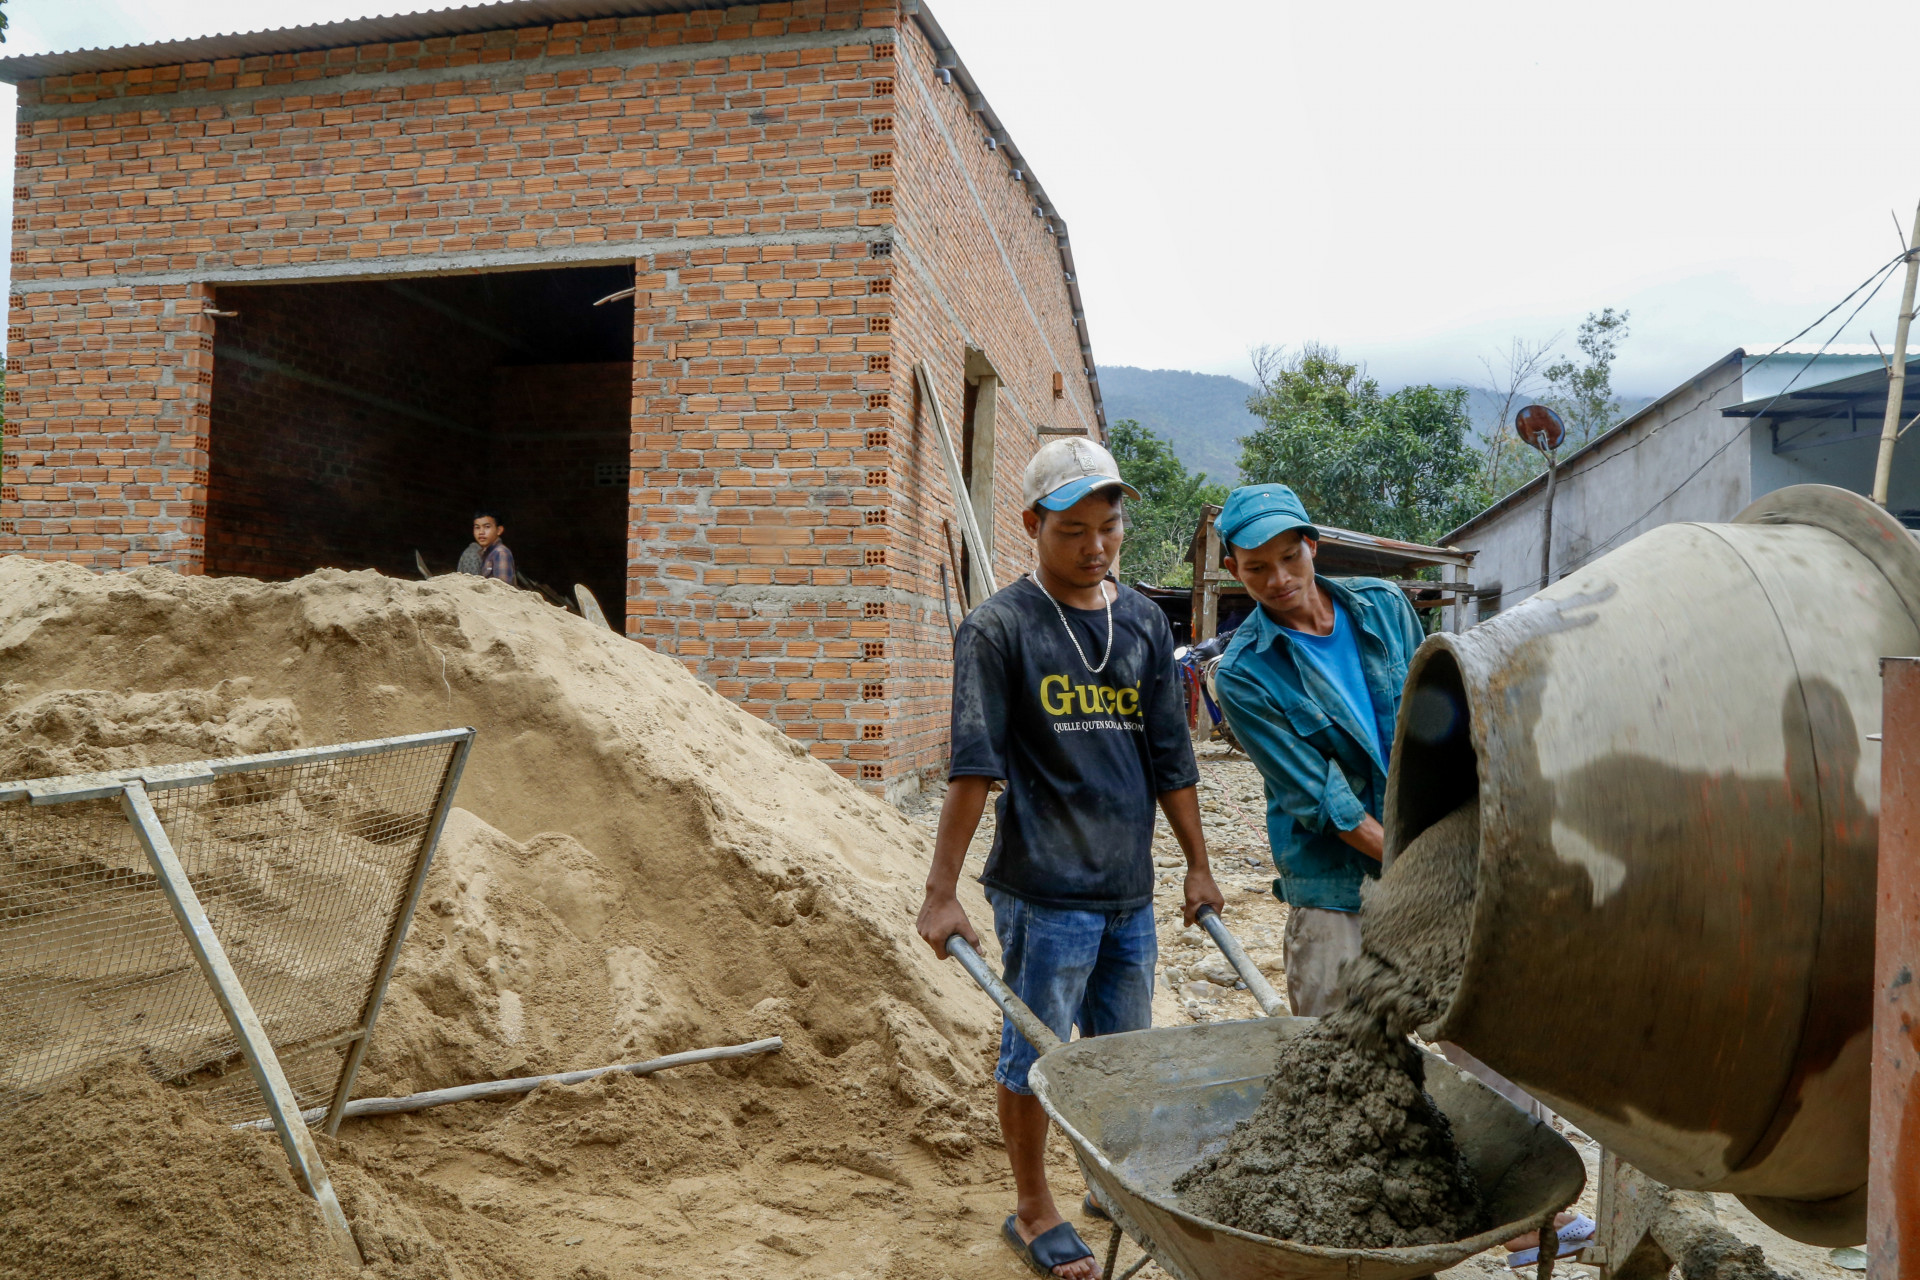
pixel 1064 686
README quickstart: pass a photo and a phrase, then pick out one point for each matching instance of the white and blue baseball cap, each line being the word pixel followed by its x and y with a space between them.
pixel 1064 471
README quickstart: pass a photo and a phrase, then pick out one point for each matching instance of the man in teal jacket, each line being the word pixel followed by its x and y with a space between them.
pixel 1311 687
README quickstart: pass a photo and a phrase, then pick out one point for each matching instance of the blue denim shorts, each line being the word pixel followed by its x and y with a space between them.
pixel 1087 969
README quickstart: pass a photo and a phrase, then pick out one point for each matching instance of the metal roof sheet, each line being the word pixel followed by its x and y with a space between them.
pixel 1761 350
pixel 454 20
pixel 498 15
pixel 1862 391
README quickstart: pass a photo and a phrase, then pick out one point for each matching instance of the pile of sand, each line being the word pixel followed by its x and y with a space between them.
pixel 1347 1149
pixel 636 867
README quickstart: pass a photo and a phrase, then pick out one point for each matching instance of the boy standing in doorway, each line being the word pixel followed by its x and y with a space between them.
pixel 1064 687
pixel 487 556
pixel 1311 685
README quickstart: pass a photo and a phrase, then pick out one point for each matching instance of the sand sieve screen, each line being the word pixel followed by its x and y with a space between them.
pixel 307 863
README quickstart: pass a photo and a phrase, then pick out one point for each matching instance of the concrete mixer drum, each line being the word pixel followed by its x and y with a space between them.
pixel 1679 811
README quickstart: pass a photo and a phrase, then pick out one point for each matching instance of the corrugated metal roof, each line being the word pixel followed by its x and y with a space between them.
pixel 457 20
pixel 1759 350
pixel 1864 392
pixel 500 15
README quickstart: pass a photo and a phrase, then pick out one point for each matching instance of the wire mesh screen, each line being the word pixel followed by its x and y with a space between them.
pixel 303 867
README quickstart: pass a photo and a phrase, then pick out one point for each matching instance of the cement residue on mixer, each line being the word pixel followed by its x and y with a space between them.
pixel 1346 1148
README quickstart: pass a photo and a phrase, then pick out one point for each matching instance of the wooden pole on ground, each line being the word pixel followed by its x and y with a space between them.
pixel 527 1084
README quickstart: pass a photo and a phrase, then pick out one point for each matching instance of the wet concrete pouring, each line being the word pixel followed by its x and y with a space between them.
pixel 1347 1149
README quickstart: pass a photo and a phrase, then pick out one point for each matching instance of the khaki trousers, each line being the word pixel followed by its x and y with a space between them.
pixel 1317 943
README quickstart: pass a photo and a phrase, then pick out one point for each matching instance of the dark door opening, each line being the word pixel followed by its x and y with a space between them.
pixel 354 424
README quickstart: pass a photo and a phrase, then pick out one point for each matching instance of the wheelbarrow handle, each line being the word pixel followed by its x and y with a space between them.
pixel 1271 1002
pixel 1025 1020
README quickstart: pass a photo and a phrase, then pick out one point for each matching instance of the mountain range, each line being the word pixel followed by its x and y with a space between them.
pixel 1205 414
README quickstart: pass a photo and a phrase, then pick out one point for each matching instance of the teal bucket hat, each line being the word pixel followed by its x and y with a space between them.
pixel 1256 514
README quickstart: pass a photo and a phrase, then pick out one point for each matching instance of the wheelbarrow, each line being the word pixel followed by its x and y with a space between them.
pixel 1143 1107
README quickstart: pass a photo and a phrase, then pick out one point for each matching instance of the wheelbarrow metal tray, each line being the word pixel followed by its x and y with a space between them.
pixel 1143 1107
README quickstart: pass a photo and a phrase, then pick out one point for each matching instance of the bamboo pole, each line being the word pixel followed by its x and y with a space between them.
pixel 1897 374
pixel 1546 522
pixel 963 504
pixel 525 1084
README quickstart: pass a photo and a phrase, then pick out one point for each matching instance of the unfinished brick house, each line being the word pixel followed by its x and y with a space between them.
pixel 654 277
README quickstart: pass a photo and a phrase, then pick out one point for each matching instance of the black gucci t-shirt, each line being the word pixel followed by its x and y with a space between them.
pixel 1084 756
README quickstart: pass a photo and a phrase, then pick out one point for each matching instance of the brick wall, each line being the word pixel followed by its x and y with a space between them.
pixel 806 209
pixel 105 445
pixel 976 269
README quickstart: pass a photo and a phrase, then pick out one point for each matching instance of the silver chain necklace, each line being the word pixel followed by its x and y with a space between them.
pixel 1073 639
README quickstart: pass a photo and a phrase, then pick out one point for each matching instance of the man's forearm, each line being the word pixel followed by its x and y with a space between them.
pixel 1369 838
pixel 959 819
pixel 1182 808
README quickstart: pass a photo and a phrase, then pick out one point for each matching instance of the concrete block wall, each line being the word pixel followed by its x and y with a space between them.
pixel 807 211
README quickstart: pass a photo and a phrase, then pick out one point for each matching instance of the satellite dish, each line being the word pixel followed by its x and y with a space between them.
pixel 1540 427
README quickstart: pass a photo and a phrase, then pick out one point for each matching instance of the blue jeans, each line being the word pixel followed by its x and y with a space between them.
pixel 1086 969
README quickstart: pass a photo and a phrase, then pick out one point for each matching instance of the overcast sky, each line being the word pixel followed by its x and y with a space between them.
pixel 1414 183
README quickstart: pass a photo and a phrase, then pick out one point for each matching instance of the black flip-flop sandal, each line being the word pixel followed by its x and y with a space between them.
pixel 1094 1209
pixel 1054 1247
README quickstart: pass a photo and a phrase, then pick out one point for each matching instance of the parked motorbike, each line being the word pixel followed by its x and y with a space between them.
pixel 1196 665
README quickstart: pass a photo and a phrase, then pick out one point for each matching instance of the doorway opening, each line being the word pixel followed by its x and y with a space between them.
pixel 978 405
pixel 356 424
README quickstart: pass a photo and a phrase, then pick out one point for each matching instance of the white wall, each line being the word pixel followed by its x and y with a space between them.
pixel 1848 464
pixel 1678 459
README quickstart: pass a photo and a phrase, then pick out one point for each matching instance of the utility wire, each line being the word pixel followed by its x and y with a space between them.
pixel 1746 369
pixel 1878 280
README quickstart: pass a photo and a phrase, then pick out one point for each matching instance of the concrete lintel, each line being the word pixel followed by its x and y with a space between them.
pixel 495 75
pixel 400 267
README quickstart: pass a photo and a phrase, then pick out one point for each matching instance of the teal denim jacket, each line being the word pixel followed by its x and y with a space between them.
pixel 1323 769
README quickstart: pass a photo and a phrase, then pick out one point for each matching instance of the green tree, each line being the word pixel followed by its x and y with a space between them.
pixel 1400 465
pixel 1583 392
pixel 1160 523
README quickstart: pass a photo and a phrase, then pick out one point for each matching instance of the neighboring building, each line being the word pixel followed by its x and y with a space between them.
pixel 1737 430
pixel 653 279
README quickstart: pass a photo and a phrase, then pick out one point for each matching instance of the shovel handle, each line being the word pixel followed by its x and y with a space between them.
pixel 1271 1002
pixel 1025 1020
